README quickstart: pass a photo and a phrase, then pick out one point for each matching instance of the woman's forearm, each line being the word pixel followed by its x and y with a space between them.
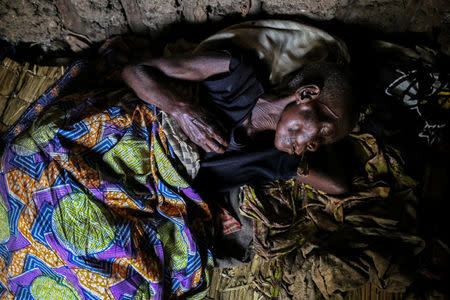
pixel 152 81
pixel 150 78
pixel 325 182
pixel 331 168
pixel 152 87
pixel 190 67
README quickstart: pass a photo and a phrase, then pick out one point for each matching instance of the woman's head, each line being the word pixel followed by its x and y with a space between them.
pixel 324 110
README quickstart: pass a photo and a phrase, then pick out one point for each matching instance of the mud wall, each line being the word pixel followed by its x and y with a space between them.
pixel 43 21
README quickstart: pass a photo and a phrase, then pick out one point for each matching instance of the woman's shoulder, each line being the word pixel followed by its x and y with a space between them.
pixel 235 92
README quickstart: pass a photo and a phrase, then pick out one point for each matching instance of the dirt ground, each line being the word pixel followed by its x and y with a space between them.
pixel 76 23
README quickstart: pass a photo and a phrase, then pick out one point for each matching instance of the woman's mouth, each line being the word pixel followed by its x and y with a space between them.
pixel 295 149
pixel 290 146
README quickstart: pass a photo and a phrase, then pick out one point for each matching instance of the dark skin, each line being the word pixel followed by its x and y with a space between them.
pixel 302 121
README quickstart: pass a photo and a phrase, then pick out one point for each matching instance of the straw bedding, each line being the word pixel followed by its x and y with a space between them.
pixel 20 85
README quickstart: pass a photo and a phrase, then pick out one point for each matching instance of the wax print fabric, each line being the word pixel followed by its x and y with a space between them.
pixel 92 206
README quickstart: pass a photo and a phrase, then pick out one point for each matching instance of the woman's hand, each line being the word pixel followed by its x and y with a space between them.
pixel 204 130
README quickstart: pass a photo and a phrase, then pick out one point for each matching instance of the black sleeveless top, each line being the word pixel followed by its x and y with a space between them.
pixel 231 97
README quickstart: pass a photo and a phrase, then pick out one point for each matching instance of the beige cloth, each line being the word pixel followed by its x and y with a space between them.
pixel 183 147
pixel 283 46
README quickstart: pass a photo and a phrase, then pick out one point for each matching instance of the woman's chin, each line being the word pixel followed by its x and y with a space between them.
pixel 283 148
pixel 280 145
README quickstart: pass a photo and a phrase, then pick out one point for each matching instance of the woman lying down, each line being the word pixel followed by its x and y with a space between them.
pixel 94 202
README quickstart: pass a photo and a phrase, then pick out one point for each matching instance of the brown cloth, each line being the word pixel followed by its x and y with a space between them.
pixel 336 244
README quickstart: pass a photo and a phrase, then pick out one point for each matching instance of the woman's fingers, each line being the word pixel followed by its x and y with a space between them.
pixel 205 147
pixel 218 135
pixel 211 135
pixel 203 130
pixel 215 147
pixel 208 143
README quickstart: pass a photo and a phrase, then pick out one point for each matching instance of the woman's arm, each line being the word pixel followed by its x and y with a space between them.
pixel 150 80
pixel 330 169
pixel 324 182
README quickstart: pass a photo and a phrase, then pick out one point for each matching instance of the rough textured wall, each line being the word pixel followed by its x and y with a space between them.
pixel 44 20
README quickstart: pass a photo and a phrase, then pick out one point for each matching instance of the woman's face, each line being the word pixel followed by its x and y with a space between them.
pixel 309 122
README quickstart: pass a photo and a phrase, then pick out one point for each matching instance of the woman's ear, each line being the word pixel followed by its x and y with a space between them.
pixel 307 93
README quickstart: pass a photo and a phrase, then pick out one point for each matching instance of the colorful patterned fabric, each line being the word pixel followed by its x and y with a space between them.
pixel 92 206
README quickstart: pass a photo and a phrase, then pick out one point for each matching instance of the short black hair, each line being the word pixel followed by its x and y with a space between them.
pixel 334 80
